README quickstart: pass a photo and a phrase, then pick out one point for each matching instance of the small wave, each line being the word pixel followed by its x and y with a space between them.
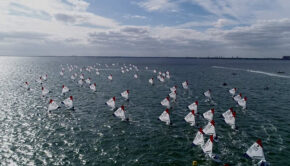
pixel 253 71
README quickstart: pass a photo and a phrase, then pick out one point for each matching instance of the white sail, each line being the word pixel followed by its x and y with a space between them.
pixel 120 113
pixel 44 77
pixel 243 103
pixel 52 105
pixel 61 73
pixel 68 102
pixel 172 89
pixel 151 81
pixel 26 86
pixel 80 82
pixel 111 102
pixel 173 95
pixel 39 80
pixel 198 140
pixel 193 106
pixel 238 97
pixel 167 76
pixel 82 76
pixel 256 151
pixel 125 94
pixel 88 80
pixel 166 102
pixel 207 94
pixel 110 77
pixel 190 118
pixel 164 117
pixel 135 76
pixel 233 91
pixel 93 87
pixel 65 89
pixel 209 129
pixel 207 147
pixel 230 118
pixel 44 91
pixel 97 73
pixel 154 71
pixel 185 85
pixel 72 77
pixel 208 115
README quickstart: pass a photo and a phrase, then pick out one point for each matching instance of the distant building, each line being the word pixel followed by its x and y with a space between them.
pixel 286 58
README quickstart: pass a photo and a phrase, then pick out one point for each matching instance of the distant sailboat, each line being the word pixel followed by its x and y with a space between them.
pixel 165 117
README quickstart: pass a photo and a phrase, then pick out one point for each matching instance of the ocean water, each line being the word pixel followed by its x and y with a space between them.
pixel 90 135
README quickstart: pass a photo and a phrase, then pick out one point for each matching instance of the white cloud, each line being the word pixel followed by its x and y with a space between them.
pixel 51 27
pixel 158 5
pixel 135 17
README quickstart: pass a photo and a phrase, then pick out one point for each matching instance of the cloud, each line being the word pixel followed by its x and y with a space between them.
pixel 270 34
pixel 51 27
pixel 135 17
pixel 158 5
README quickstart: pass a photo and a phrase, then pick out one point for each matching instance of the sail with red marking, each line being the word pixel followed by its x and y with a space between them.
pixel 165 117
pixel 44 77
pixel 88 80
pixel 160 78
pixel 39 80
pixel 185 85
pixel 233 91
pixel 238 97
pixel 125 94
pixel 208 146
pixel 256 152
pixel 111 102
pixel 208 115
pixel 193 106
pixel 198 139
pixel 173 95
pixel 93 87
pixel 120 113
pixel 26 86
pixel 230 117
pixel 82 76
pixel 243 103
pixel 52 105
pixel 166 102
pixel 190 118
pixel 44 91
pixel 65 89
pixel 68 102
pixel 209 129
pixel 110 77
pixel 174 88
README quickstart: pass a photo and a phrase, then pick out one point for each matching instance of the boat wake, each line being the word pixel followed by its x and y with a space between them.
pixel 253 71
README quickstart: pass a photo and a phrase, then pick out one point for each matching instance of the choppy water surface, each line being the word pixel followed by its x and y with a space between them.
pixel 90 135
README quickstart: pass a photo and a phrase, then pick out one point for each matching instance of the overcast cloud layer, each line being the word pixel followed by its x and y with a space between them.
pixel 181 28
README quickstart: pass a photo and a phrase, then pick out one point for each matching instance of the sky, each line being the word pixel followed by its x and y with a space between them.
pixel 153 28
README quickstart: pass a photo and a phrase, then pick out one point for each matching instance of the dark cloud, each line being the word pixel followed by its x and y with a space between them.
pixel 22 35
pixel 265 35
pixel 65 18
